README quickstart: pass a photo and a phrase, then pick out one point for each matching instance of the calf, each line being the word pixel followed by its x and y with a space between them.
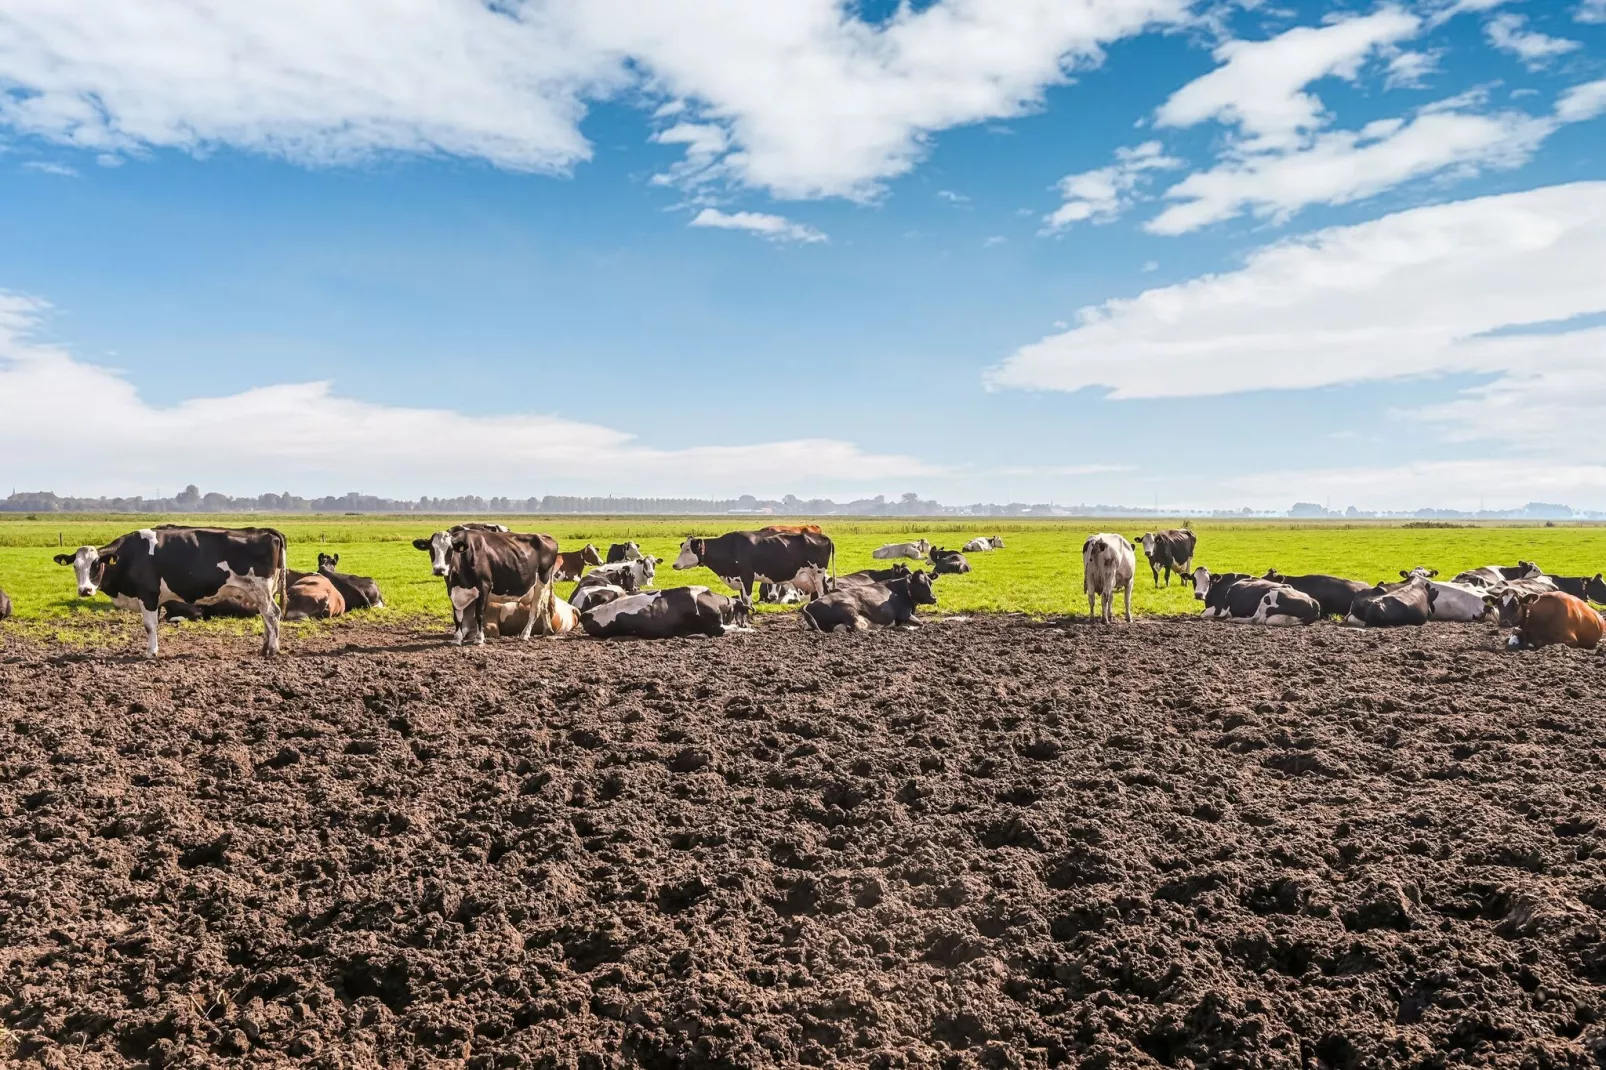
pixel 679 611
pixel 869 576
pixel 200 566
pixel 1108 564
pixel 891 603
pixel 1394 605
pixel 1551 618
pixel 1169 551
pixel 1333 593
pixel 1489 575
pixel 741 557
pixel 1589 588
pixel 914 551
pixel 623 551
pixel 311 595
pixel 572 563
pixel 360 592
pixel 492 563
pixel 948 562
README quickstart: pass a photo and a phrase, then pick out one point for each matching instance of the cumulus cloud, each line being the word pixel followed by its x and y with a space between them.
pixel 774 227
pixel 1508 32
pixel 1419 292
pixel 308 437
pixel 1102 194
pixel 809 99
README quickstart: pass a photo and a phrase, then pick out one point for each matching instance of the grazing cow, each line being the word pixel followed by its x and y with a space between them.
pixel 809 583
pixel 679 611
pixel 1333 593
pixel 914 551
pixel 741 557
pixel 1170 551
pixel 200 566
pixel 508 616
pixel 1489 575
pixel 1108 564
pixel 891 603
pixel 360 592
pixel 310 595
pixel 572 563
pixel 1394 605
pixel 5 605
pixel 946 562
pixel 1551 618
pixel 1243 599
pixel 623 551
pixel 1589 588
pixel 489 563
pixel 869 576
pixel 587 595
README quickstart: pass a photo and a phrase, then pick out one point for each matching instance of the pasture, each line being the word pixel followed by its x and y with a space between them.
pixel 1038 573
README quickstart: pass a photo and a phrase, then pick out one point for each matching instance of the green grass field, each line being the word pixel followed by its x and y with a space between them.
pixel 1039 571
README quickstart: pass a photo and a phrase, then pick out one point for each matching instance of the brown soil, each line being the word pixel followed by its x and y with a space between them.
pixel 990 843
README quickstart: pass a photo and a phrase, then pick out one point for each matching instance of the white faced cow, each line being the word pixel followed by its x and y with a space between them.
pixel 915 551
pixel 1169 551
pixel 1108 564
pixel 198 566
pixel 490 563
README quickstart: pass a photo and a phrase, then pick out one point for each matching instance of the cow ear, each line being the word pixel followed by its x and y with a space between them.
pixel 421 544
pixel 334 559
pixel 63 559
pixel 108 559
pixel 1528 598
pixel 1404 575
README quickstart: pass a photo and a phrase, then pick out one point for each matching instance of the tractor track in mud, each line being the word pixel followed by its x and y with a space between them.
pixel 985 843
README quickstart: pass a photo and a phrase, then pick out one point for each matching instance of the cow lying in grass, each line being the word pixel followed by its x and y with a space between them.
pixel 914 551
pixel 1551 618
pixel 858 608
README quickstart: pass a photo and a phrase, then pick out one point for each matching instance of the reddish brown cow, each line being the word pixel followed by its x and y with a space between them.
pixel 1551 619
pixel 792 529
pixel 571 563
pixel 311 595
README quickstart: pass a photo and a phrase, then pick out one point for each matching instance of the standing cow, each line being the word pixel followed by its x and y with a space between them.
pixel 199 566
pixel 489 563
pixel 1108 563
pixel 572 563
pixel 443 560
pixel 1170 551
pixel 741 557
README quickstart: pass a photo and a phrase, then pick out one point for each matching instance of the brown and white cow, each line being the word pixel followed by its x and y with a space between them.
pixel 572 563
pixel 1552 618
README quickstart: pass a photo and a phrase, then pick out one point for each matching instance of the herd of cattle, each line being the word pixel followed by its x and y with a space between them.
pixel 502 583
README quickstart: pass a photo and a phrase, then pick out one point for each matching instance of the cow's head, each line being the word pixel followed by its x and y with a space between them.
pixel 589 555
pixel 1509 607
pixel 327 561
pixel 89 568
pixel 997 542
pixel 645 570
pixel 921 589
pixel 691 553
pixel 437 546
pixel 1147 539
pixel 1419 571
pixel 1527 570
pixel 735 612
pixel 1201 582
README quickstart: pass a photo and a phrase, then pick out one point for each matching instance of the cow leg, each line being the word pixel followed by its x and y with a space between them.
pixel 1128 590
pixel 261 593
pixel 481 606
pixel 1156 570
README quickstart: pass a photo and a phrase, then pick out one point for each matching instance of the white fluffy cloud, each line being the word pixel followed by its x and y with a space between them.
pixel 1260 85
pixel 1413 293
pixel 306 437
pixel 1101 195
pixel 774 227
pixel 799 97
pixel 1508 32
pixel 1591 11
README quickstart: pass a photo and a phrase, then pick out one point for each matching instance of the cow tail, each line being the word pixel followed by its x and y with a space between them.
pixel 284 576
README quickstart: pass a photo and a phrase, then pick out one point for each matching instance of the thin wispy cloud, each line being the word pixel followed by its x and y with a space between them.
pixel 773 227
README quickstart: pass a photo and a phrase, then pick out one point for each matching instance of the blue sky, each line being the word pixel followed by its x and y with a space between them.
pixel 1120 251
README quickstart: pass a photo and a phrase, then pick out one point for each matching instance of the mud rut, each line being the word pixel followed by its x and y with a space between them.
pixel 985 844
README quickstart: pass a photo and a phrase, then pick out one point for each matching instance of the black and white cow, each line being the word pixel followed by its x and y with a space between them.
pixel 1169 551
pixel 623 551
pixel 1489 575
pixel 809 583
pixel 1459 602
pixel 1395 605
pixel 585 596
pixel 199 566
pixel 741 557
pixel 1589 588
pixel 1333 593
pixel 442 560
pixel 678 611
pixel 1108 564
pixel 360 592
pixel 869 576
pixel 891 603
pixel 488 563
pixel 948 562
pixel 1243 599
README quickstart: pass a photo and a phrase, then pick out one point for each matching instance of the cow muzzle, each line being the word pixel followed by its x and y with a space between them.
pixel 439 570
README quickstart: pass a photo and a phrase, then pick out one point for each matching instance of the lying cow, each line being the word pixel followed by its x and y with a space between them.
pixel 914 551
pixel 679 611
pixel 1490 575
pixel 1239 598
pixel 1589 588
pixel 572 563
pixel 891 603
pixel 199 566
pixel 510 616
pixel 1333 593
pixel 1394 605
pixel 982 545
pixel 741 558
pixel 1552 618
pixel 360 592
pixel 810 583
pixel 1169 551
pixel 1456 602
pixel 869 576
pixel 587 595
pixel 1108 565
pixel 310 596
pixel 623 551
pixel 632 575
pixel 948 562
